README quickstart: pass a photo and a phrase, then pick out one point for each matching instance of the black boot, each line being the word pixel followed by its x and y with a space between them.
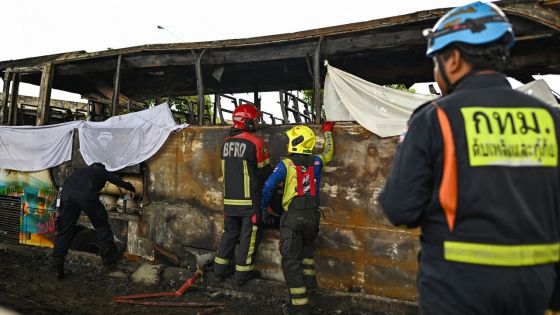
pixel 110 254
pixel 58 264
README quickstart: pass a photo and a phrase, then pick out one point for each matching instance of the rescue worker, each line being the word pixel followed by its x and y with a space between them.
pixel 477 171
pixel 80 192
pixel 245 166
pixel 299 224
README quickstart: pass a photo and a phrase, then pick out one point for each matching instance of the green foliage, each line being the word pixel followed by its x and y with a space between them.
pixel 401 87
pixel 308 98
pixel 185 108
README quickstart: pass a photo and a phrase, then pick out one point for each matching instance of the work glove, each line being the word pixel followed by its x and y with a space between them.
pixel 255 219
pixel 268 216
pixel 130 187
pixel 328 126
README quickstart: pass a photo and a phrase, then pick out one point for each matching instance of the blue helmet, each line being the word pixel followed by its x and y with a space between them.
pixel 473 24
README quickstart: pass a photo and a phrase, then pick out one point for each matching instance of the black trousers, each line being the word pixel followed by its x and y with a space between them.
pixel 457 288
pixel 72 204
pixel 298 231
pixel 248 234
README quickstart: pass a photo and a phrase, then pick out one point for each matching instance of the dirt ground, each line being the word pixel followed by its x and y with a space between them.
pixel 28 286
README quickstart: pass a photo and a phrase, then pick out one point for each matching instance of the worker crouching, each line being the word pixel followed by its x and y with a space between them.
pixel 299 224
pixel 80 192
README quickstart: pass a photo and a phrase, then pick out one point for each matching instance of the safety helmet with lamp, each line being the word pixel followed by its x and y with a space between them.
pixel 301 139
pixel 477 23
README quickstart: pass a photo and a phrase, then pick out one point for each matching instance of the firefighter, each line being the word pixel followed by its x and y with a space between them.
pixel 245 166
pixel 80 192
pixel 477 171
pixel 299 224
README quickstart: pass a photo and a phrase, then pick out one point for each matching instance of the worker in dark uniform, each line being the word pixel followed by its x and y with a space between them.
pixel 477 171
pixel 245 166
pixel 80 192
pixel 299 224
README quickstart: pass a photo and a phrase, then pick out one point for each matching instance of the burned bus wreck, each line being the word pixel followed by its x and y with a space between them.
pixel 180 211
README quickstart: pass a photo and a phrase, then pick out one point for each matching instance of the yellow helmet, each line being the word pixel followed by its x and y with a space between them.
pixel 301 139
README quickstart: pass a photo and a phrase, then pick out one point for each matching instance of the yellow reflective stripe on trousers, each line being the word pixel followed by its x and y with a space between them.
pixel 300 290
pixel 244 268
pixel 224 176
pixel 252 245
pixel 309 261
pixel 221 261
pixel 502 255
pixel 300 301
pixel 238 202
pixel 246 180
pixel 309 272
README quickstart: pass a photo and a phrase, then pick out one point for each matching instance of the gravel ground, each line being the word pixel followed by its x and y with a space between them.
pixel 28 286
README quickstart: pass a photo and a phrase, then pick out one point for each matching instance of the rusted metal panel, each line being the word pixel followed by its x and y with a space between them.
pixel 357 249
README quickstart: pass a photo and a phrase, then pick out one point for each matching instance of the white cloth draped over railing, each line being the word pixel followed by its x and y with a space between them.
pixel 383 110
pixel 30 148
pixel 117 142
pixel 127 139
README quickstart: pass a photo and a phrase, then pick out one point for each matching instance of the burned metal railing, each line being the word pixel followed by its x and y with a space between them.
pixel 287 98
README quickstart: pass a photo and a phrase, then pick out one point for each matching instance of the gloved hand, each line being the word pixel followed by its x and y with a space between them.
pixel 268 216
pixel 328 126
pixel 255 219
pixel 130 187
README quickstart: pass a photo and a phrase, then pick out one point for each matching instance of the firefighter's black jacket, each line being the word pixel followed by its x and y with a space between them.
pixel 245 166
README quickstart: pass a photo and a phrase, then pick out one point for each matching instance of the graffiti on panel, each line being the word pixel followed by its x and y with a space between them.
pixel 38 204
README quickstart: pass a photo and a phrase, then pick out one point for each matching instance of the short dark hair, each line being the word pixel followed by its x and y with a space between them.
pixel 97 164
pixel 491 56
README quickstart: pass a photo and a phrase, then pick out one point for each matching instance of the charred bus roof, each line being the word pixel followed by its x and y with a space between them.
pixel 383 51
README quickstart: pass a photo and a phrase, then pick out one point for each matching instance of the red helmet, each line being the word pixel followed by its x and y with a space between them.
pixel 244 117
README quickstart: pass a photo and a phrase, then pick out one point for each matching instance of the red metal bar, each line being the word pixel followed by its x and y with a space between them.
pixel 182 289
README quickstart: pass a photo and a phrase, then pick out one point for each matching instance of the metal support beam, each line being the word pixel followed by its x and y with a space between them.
pixel 297 114
pixel 257 103
pixel 317 81
pixel 12 111
pixel 43 103
pixel 5 96
pixel 116 88
pixel 199 85
pixel 283 105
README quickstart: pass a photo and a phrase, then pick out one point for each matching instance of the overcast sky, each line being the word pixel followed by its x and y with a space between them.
pixel 39 27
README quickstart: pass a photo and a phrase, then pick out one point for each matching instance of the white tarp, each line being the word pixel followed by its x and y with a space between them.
pixel 31 148
pixel 118 142
pixel 127 139
pixel 385 111
pixel 540 90
pixel 381 110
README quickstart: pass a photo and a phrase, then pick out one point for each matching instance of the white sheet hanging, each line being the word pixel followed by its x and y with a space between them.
pixel 34 148
pixel 385 111
pixel 381 110
pixel 540 90
pixel 127 139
